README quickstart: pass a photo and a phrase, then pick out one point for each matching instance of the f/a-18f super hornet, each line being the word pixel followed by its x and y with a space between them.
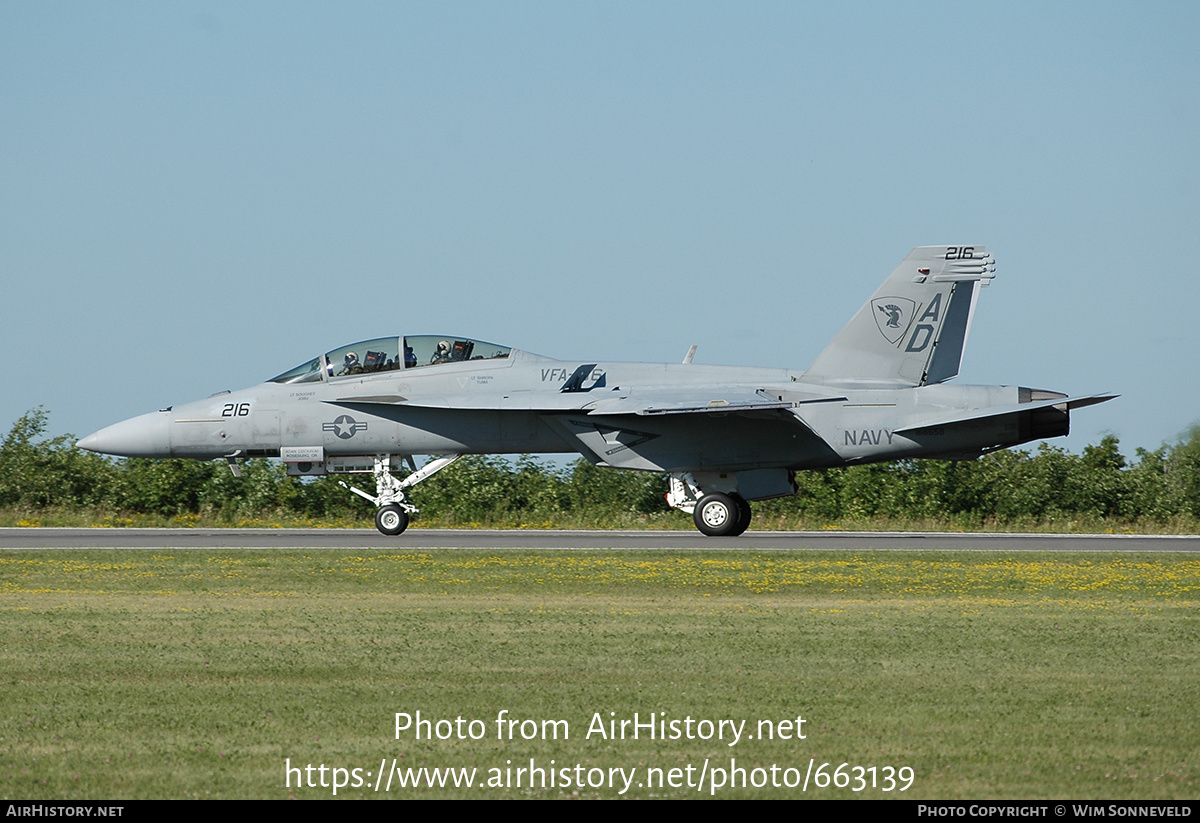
pixel 725 435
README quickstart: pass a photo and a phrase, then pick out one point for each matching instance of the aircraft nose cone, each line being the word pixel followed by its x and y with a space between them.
pixel 147 435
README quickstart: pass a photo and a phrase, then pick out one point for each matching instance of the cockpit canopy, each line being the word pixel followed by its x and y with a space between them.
pixel 391 354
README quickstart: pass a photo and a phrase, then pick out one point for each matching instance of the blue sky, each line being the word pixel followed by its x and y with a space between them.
pixel 198 196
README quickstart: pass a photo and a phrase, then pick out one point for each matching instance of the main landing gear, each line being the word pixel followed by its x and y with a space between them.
pixel 715 513
pixel 394 511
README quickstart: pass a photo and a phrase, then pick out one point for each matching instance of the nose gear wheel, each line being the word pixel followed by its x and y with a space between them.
pixel 391 519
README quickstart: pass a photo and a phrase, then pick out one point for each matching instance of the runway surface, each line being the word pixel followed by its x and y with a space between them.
pixel 19 538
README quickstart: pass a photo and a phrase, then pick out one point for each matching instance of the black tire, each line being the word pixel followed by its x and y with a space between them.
pixel 717 515
pixel 745 515
pixel 391 519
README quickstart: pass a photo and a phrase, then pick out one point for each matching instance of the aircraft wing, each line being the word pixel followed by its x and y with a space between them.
pixel 682 400
pixel 684 428
pixel 970 415
pixel 691 400
pixel 692 428
pixel 476 401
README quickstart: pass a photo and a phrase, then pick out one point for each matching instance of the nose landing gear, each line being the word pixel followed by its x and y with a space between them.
pixel 394 511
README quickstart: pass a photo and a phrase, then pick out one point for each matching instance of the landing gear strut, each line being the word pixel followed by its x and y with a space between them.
pixel 394 511
pixel 715 513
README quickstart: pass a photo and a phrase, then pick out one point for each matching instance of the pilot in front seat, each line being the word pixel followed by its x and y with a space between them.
pixel 441 354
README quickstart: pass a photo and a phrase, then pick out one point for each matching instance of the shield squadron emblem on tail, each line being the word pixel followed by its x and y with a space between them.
pixel 892 315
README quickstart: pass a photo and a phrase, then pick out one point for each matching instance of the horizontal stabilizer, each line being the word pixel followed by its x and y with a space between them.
pixel 971 415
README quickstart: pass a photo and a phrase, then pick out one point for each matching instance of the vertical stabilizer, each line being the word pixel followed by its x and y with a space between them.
pixel 913 331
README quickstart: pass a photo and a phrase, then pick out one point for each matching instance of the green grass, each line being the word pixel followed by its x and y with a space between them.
pixel 129 674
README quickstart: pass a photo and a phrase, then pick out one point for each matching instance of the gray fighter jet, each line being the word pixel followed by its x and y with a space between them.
pixel 725 435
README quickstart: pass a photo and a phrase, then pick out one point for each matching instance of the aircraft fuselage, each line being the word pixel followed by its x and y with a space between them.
pixel 725 435
pixel 431 413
